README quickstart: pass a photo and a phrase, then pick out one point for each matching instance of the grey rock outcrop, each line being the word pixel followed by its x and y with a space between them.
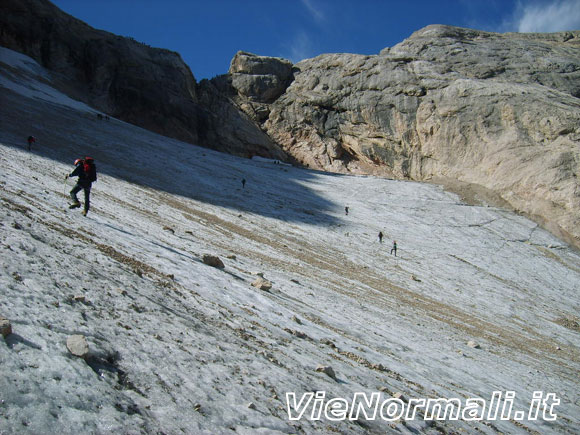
pixel 260 78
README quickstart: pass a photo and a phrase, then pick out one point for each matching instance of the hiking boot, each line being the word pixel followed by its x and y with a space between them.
pixel 75 205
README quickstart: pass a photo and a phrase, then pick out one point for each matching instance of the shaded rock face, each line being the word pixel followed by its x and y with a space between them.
pixel 149 87
pixel 457 106
pixel 116 75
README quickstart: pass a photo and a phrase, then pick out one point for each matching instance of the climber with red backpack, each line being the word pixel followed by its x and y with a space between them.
pixel 87 173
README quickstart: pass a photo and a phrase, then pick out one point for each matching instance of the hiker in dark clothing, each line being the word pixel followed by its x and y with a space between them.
pixel 31 140
pixel 381 236
pixel 87 173
pixel 243 183
pixel 394 248
pixel 346 210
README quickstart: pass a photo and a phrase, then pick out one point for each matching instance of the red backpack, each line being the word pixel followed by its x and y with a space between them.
pixel 90 169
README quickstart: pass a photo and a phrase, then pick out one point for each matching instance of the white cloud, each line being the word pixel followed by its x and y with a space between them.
pixel 300 48
pixel 316 13
pixel 549 17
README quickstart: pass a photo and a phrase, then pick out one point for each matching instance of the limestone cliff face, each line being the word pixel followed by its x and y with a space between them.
pixel 500 111
pixel 116 75
pixel 149 87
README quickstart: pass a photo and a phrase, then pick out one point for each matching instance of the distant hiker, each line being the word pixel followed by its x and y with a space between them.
pixel 243 183
pixel 87 173
pixel 31 140
pixel 394 248
pixel 381 236
pixel 107 118
pixel 99 116
pixel 346 210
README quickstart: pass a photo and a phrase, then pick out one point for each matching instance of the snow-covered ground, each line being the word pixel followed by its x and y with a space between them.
pixel 177 346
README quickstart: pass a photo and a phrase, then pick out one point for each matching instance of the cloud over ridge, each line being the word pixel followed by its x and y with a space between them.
pixel 556 16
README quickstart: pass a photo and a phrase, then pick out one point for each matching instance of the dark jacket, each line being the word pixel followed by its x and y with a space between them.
pixel 84 178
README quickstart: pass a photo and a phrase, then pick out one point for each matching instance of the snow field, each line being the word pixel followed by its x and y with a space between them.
pixel 178 346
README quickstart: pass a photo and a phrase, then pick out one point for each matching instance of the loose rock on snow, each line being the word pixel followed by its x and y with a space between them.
pixel 5 327
pixel 329 371
pixel 473 345
pixel 78 346
pixel 213 261
pixel 262 284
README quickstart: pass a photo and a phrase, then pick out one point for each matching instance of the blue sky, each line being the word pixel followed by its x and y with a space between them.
pixel 208 33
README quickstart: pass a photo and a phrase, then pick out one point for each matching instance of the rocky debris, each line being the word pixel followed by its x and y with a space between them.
pixel 251 405
pixel 570 322
pixel 269 357
pixel 400 396
pixel 5 327
pixel 379 367
pixel 262 284
pixel 232 257
pixel 297 320
pixel 414 278
pixel 79 298
pixel 328 342
pixel 473 345
pixel 295 333
pixel 327 370
pixel 169 229
pixel 213 261
pixel 78 346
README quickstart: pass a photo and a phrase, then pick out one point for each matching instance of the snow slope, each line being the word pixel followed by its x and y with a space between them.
pixel 177 346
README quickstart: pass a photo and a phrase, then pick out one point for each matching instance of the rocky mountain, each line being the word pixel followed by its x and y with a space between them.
pixel 493 116
pixel 149 87
pixel 188 302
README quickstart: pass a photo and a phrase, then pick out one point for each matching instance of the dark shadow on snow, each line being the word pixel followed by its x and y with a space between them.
pixel 14 339
pixel 124 151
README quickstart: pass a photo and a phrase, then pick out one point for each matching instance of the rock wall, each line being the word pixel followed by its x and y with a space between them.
pixel 149 87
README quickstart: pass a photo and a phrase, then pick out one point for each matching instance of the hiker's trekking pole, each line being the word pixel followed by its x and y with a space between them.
pixel 64 190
